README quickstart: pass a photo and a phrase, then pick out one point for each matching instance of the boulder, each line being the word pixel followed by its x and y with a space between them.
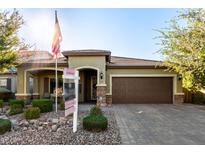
pixel 45 123
pixel 33 121
pixel 24 123
pixel 40 128
pixel 59 129
pixel 25 128
pixel 55 121
pixel 54 128
pixel 62 120
pixel 7 112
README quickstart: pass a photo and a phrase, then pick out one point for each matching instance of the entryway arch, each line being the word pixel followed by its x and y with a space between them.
pixel 89 78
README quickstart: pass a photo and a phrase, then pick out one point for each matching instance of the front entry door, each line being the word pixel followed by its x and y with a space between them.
pixel 93 88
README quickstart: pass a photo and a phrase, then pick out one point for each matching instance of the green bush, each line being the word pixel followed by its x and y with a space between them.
pixel 198 98
pixel 15 109
pixel 45 105
pixel 95 111
pixel 32 113
pixel 62 105
pixel 95 123
pixel 5 125
pixel 1 103
pixel 15 101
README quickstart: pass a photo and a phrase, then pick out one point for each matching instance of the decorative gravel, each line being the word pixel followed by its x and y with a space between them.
pixel 53 128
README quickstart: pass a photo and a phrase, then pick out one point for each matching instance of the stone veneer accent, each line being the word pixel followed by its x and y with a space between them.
pixel 101 95
pixel 178 98
pixel 109 100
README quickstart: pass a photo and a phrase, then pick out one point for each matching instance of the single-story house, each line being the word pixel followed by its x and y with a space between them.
pixel 104 78
pixel 8 85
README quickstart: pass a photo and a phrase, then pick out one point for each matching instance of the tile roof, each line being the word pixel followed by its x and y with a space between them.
pixel 39 57
pixel 132 62
pixel 44 57
pixel 87 52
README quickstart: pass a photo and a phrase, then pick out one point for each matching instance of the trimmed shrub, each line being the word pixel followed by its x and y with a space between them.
pixel 1 103
pixel 62 105
pixel 95 111
pixel 15 101
pixel 199 98
pixel 95 123
pixel 5 125
pixel 15 109
pixel 45 105
pixel 32 113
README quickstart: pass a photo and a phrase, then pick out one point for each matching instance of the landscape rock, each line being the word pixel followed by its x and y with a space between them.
pixel 25 128
pixel 15 128
pixel 54 134
pixel 49 120
pixel 14 122
pixel 24 123
pixel 45 123
pixel 7 112
pixel 62 120
pixel 59 129
pixel 54 128
pixel 3 117
pixel 54 121
pixel 40 128
pixel 33 121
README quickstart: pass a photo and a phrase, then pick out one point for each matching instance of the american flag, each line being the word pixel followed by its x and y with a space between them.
pixel 57 38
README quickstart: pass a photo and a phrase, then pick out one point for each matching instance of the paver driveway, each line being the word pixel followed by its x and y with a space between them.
pixel 161 123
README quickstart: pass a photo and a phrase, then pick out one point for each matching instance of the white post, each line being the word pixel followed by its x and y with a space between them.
pixel 56 98
pixel 75 114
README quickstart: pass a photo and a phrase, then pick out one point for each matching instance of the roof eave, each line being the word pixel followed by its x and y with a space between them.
pixel 136 66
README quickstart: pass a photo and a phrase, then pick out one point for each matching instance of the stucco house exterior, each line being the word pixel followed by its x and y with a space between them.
pixel 104 78
pixel 8 84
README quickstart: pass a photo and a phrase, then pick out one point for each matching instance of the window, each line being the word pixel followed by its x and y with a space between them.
pixel 3 82
pixel 30 85
pixel 53 84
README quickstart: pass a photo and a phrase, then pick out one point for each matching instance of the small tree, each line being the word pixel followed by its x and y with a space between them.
pixel 183 47
pixel 10 23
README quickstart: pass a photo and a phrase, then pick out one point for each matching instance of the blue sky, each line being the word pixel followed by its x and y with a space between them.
pixel 125 32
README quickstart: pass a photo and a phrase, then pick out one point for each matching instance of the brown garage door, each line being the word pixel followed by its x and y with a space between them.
pixel 142 90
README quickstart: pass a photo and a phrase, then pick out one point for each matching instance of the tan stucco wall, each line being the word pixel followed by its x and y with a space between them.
pixel 38 80
pixel 98 62
pixel 83 62
pixel 20 80
pixel 141 72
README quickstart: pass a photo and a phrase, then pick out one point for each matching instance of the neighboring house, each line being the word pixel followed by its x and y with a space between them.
pixel 7 85
pixel 103 78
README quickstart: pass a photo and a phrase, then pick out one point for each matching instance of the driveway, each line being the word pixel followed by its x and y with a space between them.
pixel 161 123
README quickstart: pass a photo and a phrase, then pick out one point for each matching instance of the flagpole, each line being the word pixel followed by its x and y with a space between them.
pixel 56 98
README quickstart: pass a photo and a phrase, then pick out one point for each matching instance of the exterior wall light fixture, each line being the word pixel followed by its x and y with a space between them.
pixel 101 75
pixel 179 77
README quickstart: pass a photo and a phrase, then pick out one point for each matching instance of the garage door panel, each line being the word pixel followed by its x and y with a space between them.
pixel 142 90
